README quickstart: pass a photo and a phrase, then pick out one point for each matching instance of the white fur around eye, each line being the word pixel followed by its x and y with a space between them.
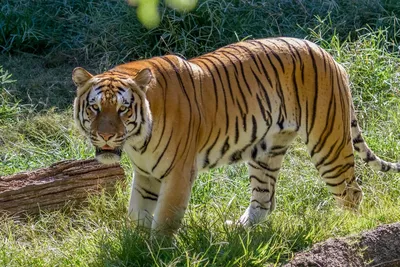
pixel 94 107
pixel 123 110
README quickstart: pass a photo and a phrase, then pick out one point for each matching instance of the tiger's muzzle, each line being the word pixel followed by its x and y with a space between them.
pixel 108 156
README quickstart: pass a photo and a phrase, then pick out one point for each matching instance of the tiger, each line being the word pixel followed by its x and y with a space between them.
pixel 246 101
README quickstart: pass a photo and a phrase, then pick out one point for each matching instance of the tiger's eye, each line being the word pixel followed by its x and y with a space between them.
pixel 94 107
pixel 122 108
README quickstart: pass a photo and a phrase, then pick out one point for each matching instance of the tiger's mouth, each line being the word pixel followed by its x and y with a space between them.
pixel 107 149
pixel 108 155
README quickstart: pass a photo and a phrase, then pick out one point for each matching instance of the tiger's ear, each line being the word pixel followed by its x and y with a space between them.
pixel 80 76
pixel 143 78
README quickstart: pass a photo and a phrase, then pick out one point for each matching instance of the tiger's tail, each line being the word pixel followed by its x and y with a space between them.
pixel 365 152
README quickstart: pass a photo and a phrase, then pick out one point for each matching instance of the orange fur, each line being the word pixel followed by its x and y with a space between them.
pixel 243 102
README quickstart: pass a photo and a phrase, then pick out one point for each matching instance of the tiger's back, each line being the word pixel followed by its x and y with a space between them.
pixel 243 102
pixel 271 88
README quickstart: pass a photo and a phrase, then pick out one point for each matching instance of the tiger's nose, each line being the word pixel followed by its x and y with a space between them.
pixel 106 136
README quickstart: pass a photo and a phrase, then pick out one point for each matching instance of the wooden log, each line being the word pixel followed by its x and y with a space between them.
pixel 51 188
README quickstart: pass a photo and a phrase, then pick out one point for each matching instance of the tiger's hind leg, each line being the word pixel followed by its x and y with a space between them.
pixel 335 164
pixel 266 161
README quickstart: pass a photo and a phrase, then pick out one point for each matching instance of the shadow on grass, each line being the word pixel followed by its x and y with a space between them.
pixel 38 85
pixel 202 242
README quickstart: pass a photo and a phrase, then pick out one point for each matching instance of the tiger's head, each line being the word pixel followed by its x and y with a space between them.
pixel 112 108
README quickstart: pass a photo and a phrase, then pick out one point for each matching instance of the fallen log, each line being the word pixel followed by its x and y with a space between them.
pixel 70 181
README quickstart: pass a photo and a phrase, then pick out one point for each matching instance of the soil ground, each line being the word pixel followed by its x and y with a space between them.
pixel 375 248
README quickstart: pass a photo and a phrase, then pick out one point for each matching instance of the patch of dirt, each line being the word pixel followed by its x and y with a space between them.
pixel 375 248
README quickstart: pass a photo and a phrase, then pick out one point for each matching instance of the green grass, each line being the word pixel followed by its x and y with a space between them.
pixel 109 31
pixel 51 37
pixel 42 41
pixel 100 234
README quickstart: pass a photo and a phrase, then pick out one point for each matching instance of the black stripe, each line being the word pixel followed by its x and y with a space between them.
pixel 214 86
pixel 208 139
pixel 254 129
pixel 206 158
pixel 261 86
pixel 263 145
pixel 260 207
pixel 225 147
pixel 257 179
pixel 254 166
pixel 262 109
pixel 189 66
pixel 278 90
pixel 230 60
pixel 236 130
pixel 224 93
pixel 265 72
pixel 343 169
pixel 385 167
pixel 162 153
pixel 165 101
pixel 186 146
pixel 254 152
pixel 259 203
pixel 335 184
pixel 146 197
pixel 331 170
pixel 121 89
pixel 294 80
pixel 242 71
pixel 239 87
pixel 277 153
pixel 171 166
pixel 358 139
pixel 370 156
pixel 328 129
pixel 340 195
pixel 260 190
pixel 236 156
pixel 143 148
pixel 314 64
pixel 149 192
pixel 140 169
pixel 226 75
pixel 324 158
pixel 266 167
pixel 244 118
pixel 151 196
pixel 346 131
pixel 249 52
pixel 82 105
pixel 342 144
pixel 299 55
pixel 276 55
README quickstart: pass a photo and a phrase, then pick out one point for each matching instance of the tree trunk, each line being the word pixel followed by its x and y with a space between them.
pixel 51 188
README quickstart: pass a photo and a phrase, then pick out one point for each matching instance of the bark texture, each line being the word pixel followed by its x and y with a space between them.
pixel 51 188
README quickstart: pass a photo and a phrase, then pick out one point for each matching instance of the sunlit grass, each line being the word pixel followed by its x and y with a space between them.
pixel 99 234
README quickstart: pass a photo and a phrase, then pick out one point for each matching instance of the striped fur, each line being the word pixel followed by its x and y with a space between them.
pixel 244 102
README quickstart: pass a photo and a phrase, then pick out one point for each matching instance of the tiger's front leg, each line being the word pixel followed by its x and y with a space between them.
pixel 144 197
pixel 173 200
